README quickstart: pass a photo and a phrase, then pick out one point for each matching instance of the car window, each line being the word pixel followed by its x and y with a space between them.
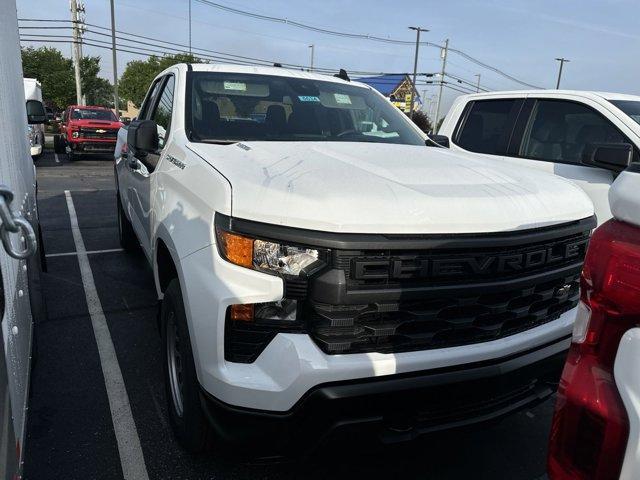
pixel 630 107
pixel 486 128
pixel 232 107
pixel 562 131
pixel 147 105
pixel 163 110
pixel 93 114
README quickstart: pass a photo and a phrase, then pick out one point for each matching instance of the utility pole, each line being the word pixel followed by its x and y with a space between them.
pixel 562 61
pixel 189 27
pixel 76 50
pixel 415 67
pixel 478 85
pixel 443 54
pixel 116 100
pixel 312 47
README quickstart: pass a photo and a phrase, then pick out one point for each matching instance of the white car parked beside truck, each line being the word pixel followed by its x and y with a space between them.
pixel 321 270
pixel 587 137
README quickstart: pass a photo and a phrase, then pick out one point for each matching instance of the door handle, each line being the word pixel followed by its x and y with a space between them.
pixel 14 222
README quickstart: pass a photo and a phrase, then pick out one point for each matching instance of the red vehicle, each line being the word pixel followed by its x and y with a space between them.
pixel 87 129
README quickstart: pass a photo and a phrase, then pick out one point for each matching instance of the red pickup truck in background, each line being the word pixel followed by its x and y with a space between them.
pixel 87 129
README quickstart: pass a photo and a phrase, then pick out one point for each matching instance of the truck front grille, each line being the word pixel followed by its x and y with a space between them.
pixel 399 300
pixel 100 133
pixel 449 320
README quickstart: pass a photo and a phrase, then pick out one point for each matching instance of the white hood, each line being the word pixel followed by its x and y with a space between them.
pixel 384 188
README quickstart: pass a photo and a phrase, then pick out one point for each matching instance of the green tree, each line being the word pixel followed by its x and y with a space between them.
pixel 55 73
pixel 98 91
pixel 139 74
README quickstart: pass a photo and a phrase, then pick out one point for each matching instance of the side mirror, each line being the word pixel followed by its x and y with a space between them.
pixel 142 137
pixel 35 112
pixel 440 140
pixel 611 156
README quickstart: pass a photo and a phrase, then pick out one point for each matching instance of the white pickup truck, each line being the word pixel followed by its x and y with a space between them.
pixel 321 270
pixel 587 137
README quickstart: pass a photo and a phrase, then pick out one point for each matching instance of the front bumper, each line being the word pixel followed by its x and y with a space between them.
pixel 395 408
pixel 92 146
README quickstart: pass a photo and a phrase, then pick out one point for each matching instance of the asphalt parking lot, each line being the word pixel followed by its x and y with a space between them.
pixel 71 430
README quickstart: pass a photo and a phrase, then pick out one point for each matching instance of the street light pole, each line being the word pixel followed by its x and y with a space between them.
pixel 312 47
pixel 116 100
pixel 189 27
pixel 415 67
pixel 443 54
pixel 562 61
pixel 478 85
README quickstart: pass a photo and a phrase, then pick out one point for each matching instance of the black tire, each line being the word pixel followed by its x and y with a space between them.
pixel 58 144
pixel 188 421
pixel 126 235
pixel 71 156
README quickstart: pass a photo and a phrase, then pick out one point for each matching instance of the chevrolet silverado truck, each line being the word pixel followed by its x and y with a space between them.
pixel 321 270
pixel 87 130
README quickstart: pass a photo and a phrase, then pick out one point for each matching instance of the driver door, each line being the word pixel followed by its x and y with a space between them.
pixel 142 166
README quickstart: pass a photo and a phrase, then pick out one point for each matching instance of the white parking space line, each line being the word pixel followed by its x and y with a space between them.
pixel 55 155
pixel 88 252
pixel 131 457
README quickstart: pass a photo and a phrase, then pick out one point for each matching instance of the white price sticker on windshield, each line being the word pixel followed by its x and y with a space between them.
pixel 342 98
pixel 239 86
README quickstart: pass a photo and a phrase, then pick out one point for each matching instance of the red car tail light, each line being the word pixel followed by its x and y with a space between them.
pixel 590 426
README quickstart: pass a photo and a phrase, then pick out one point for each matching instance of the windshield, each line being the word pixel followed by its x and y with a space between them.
pixel 235 107
pixel 89 114
pixel 630 107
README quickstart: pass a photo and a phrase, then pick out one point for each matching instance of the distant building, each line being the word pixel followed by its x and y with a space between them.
pixel 396 87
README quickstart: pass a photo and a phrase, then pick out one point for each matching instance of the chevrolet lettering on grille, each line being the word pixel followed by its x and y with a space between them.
pixel 412 266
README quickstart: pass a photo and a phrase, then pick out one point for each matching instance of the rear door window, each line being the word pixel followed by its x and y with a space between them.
pixel 488 125
pixel 563 131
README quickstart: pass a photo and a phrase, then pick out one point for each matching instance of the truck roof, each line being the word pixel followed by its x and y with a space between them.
pixel 267 70
pixel 538 93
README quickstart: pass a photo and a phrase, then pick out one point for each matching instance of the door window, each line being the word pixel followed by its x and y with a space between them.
pixel 561 131
pixel 488 126
pixel 163 110
pixel 149 100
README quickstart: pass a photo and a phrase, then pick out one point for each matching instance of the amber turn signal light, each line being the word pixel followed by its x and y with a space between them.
pixel 236 248
pixel 242 312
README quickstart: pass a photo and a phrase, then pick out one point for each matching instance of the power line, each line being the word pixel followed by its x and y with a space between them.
pixel 375 38
pixel 215 55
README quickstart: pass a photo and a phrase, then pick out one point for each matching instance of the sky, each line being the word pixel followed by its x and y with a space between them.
pixel 600 37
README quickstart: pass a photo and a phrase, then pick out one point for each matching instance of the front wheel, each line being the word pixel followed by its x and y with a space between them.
pixel 126 235
pixel 58 144
pixel 186 416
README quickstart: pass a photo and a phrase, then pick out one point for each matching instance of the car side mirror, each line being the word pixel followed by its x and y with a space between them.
pixel 142 137
pixel 440 140
pixel 36 112
pixel 611 156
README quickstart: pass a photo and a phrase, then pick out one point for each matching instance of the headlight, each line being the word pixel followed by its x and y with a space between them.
pixel 292 263
pixel 265 255
pixel 75 134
